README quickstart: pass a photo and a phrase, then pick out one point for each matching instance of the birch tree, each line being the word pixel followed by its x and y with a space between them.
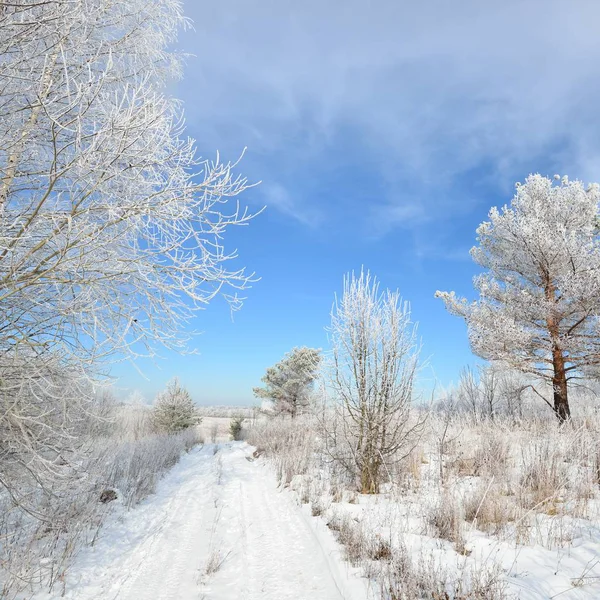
pixel 372 375
pixel 288 384
pixel 111 226
pixel 539 297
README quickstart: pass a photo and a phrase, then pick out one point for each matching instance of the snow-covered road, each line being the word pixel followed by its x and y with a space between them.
pixel 217 529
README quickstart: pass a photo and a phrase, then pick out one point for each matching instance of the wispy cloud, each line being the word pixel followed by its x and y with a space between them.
pixel 384 218
pixel 430 90
pixel 278 197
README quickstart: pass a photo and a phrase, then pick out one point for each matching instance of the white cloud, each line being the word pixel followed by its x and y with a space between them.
pixel 430 89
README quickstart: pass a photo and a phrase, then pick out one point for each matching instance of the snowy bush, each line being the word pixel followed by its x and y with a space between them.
pixel 133 421
pixel 371 378
pixel 291 445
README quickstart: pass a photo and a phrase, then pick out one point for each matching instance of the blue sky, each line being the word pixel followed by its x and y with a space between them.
pixel 382 133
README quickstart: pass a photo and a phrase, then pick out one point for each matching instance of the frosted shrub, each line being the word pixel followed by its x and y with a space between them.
pixel 136 467
pixel 371 377
pixel 290 443
pixel 133 421
pixel 406 577
pixel 122 468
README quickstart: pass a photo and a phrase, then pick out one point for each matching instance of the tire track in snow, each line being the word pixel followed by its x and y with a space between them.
pixel 279 554
pixel 158 550
pixel 153 552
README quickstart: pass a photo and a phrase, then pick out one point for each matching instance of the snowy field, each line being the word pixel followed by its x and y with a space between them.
pixel 216 421
pixel 215 429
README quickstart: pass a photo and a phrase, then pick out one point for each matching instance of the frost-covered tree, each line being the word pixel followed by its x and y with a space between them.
pixel 289 383
pixel 468 397
pixel 514 391
pixel 372 375
pixel 490 386
pixel 174 410
pixel 491 390
pixel 110 225
pixel 539 297
pixel 48 414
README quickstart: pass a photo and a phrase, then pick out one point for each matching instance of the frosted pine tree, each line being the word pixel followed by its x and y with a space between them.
pixel 288 384
pixel 174 410
pixel 539 297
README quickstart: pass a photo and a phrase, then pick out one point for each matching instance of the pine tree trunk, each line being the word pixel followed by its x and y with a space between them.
pixel 559 385
pixel 559 379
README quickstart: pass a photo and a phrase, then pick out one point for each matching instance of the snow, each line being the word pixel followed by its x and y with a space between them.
pixel 219 528
pixel 218 507
pixel 564 563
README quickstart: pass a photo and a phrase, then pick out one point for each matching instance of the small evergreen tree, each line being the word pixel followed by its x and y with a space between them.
pixel 174 409
pixel 288 383
pixel 235 428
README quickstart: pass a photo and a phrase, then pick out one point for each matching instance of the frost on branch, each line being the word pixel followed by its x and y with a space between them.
pixel 371 378
pixel 539 296
pixel 111 227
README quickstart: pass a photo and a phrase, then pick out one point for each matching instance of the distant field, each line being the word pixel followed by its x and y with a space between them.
pixel 227 411
pixel 216 420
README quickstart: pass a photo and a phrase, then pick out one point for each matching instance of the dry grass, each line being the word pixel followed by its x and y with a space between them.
pixel 318 507
pixel 446 520
pixel 216 560
pixel 489 509
pixel 543 474
pixel 361 546
pixel 524 482
pixel 404 578
pixel 492 453
pixel 291 445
